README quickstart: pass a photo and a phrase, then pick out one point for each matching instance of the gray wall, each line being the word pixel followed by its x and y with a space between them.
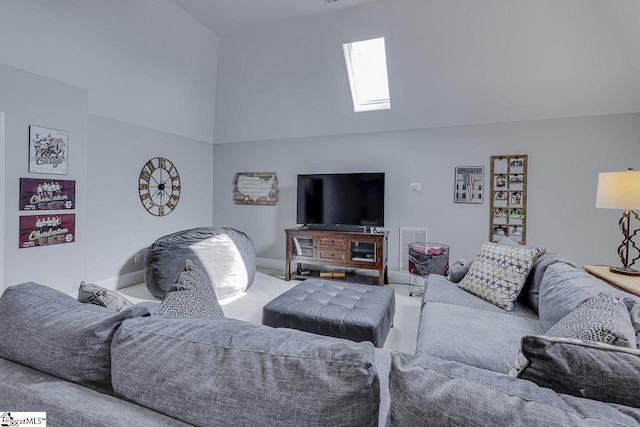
pixel 105 158
pixel 133 80
pixel 129 81
pixel 450 63
pixel 565 156
pixel 119 226
pixel 145 62
pixel 468 80
pixel 29 99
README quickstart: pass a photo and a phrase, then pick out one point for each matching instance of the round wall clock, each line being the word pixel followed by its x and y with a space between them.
pixel 159 186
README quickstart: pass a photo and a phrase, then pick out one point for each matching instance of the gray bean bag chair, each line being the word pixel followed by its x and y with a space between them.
pixel 227 256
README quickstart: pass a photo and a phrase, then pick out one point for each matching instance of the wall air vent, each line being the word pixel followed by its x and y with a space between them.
pixel 409 235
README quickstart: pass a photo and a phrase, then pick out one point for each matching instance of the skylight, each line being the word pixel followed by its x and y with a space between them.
pixel 367 67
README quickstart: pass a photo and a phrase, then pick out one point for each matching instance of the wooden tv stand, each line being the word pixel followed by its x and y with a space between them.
pixel 347 249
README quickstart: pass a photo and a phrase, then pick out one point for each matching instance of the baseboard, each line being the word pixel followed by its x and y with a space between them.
pixel 136 277
pixel 279 264
pixel 399 277
pixel 274 264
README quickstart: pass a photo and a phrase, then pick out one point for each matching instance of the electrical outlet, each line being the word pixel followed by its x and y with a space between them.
pixel 415 186
pixel 136 258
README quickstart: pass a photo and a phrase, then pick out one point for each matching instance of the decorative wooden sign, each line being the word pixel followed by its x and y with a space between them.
pixel 255 188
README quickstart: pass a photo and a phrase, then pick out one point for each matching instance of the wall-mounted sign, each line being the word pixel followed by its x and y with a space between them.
pixel 47 194
pixel 255 188
pixel 45 230
pixel 47 150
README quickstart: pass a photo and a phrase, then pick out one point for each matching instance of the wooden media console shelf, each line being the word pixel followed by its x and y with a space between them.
pixel 347 249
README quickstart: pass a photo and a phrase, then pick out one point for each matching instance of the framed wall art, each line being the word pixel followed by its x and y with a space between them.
pixel 48 150
pixel 47 194
pixel 508 212
pixel 469 184
pixel 255 188
pixel 46 230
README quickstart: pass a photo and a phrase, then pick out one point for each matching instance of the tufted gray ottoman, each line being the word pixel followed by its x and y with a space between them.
pixel 227 256
pixel 337 309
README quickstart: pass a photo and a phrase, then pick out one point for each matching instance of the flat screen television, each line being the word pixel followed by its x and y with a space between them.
pixel 343 199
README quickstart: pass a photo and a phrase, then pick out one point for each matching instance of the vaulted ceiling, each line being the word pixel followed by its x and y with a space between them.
pixel 452 62
pixel 230 16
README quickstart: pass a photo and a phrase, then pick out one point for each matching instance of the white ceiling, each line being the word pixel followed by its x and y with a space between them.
pixel 229 16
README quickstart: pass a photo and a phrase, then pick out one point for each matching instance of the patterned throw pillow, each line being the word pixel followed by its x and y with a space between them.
pixel 93 294
pixel 191 296
pixel 602 319
pixel 499 272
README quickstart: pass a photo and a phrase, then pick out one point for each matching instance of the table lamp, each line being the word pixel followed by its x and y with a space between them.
pixel 621 190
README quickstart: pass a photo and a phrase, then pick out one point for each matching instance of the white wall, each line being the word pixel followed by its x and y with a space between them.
pixel 468 80
pixel 454 62
pixel 119 226
pixel 29 99
pixel 145 62
pixel 565 156
pixel 129 80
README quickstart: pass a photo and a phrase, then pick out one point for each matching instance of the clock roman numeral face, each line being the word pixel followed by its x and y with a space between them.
pixel 159 186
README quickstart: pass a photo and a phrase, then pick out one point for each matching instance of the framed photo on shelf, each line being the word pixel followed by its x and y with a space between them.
pixel 469 184
pixel 48 150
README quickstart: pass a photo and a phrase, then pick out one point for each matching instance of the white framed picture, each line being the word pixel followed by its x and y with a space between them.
pixel 48 150
pixel 468 184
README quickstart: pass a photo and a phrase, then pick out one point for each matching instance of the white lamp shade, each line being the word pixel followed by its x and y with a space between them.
pixel 619 190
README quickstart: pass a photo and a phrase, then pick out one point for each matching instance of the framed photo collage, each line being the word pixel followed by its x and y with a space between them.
pixel 508 198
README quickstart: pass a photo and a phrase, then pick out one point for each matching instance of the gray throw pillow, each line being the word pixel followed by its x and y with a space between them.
pixel 568 358
pixel 192 296
pixel 583 368
pixel 93 294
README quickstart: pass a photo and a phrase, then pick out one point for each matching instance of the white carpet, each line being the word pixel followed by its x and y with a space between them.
pixel 268 284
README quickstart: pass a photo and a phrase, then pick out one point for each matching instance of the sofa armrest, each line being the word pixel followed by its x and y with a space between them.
pixel 453 394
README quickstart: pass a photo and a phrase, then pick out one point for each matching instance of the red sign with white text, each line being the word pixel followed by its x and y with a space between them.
pixel 46 194
pixel 45 230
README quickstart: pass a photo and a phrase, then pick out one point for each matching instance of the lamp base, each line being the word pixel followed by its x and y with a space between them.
pixel 625 270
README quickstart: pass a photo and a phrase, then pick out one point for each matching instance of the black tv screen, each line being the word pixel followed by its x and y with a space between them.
pixel 341 199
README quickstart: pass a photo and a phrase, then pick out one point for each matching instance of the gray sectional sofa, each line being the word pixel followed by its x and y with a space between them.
pixel 87 365
pixel 466 347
